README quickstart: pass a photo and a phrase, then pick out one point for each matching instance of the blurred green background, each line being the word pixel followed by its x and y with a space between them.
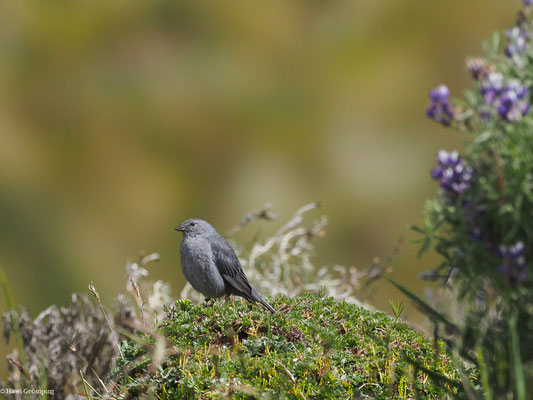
pixel 119 119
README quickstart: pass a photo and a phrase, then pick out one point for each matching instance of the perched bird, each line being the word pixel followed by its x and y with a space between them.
pixel 210 264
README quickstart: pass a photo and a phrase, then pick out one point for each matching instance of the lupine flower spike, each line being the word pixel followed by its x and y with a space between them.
pixel 440 110
pixel 452 172
pixel 508 99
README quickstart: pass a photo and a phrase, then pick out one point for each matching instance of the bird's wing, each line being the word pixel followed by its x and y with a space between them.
pixel 230 268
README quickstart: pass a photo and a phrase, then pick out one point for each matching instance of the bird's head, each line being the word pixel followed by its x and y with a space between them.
pixel 195 227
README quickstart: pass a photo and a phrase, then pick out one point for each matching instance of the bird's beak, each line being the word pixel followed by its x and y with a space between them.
pixel 180 228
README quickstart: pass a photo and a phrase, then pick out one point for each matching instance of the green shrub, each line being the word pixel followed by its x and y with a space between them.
pixel 313 347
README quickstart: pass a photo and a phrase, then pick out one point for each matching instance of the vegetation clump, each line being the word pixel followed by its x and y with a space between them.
pixel 480 223
pixel 313 347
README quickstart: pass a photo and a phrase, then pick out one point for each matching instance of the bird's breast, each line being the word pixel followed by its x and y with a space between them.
pixel 200 269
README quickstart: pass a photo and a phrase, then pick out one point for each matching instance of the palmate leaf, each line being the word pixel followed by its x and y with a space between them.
pixel 417 229
pixel 424 307
pixel 425 242
pixel 424 248
pixel 492 47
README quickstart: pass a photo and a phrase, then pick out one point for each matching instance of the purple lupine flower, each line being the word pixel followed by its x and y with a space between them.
pixel 492 87
pixel 509 99
pixel 475 234
pixel 517 42
pixel 477 68
pixel 528 2
pixel 440 93
pixel 513 104
pixel 440 110
pixel 513 263
pixel 452 172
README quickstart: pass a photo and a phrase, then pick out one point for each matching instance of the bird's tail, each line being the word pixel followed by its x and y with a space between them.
pixel 257 298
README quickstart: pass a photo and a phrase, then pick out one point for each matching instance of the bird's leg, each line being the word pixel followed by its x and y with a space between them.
pixel 209 301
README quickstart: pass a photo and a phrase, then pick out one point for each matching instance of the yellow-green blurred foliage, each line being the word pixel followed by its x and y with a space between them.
pixel 119 119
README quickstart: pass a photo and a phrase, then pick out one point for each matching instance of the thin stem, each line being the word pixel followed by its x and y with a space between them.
pixel 10 302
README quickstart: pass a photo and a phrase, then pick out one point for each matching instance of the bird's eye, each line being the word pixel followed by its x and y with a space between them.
pixel 192 224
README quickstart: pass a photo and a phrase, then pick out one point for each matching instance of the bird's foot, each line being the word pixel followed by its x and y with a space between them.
pixel 209 302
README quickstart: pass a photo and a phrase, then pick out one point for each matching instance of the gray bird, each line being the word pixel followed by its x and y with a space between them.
pixel 210 264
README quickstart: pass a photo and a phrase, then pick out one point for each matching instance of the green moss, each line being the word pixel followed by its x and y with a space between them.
pixel 313 347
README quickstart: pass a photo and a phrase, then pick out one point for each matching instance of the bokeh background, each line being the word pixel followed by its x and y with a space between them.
pixel 119 119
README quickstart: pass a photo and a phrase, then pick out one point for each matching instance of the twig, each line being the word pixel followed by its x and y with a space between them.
pixel 289 373
pixel 75 351
pixel 23 371
pixel 138 298
pixel 264 214
pixel 85 383
pixel 296 219
pixel 93 291
pixel 10 302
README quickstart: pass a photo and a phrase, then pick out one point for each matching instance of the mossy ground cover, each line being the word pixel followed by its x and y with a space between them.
pixel 313 347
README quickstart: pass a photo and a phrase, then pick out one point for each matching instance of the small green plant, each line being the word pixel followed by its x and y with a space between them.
pixel 397 308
